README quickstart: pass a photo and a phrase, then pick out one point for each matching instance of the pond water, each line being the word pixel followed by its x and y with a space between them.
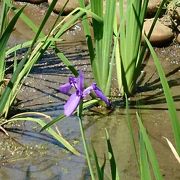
pixel 27 154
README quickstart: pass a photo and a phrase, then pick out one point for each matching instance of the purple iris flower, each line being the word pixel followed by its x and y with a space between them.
pixel 80 93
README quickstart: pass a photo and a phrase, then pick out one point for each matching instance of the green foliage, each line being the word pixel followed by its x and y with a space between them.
pixel 146 147
pixel 111 157
pixel 120 41
pixel 36 49
pixel 100 46
pixel 25 65
pixel 27 117
pixel 128 50
pixel 5 32
pixel 129 54
pixel 169 98
pixel 99 169
pixel 144 163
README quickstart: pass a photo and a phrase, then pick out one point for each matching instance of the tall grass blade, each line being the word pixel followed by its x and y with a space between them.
pixel 173 150
pixel 131 132
pixel 150 151
pixel 100 170
pixel 143 49
pixel 86 149
pixel 48 13
pixel 113 166
pixel 100 48
pixel 87 32
pixel 107 43
pixel 7 32
pixel 169 98
pixel 3 16
pixel 49 130
pixel 57 119
pixel 4 37
pixel 25 65
pixel 97 8
pixel 144 163
pixel 129 54
pixel 29 22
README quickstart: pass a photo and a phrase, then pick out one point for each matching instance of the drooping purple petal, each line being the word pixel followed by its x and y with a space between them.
pixel 100 94
pixel 87 91
pixel 71 104
pixel 65 88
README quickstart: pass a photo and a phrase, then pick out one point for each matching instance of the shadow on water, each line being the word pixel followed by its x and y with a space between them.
pixel 29 134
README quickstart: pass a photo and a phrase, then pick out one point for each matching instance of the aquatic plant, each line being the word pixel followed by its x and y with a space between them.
pixel 25 65
pixel 128 47
pixel 175 122
pixel 144 154
pixel 76 101
pixel 125 51
pixel 80 93
pixel 100 45
pixel 129 54
pixel 128 66
pixel 6 29
pixel 36 49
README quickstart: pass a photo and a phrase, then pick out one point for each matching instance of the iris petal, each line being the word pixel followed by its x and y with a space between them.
pixel 74 99
pixel 87 91
pixel 65 88
pixel 81 81
pixel 100 94
pixel 71 104
pixel 73 81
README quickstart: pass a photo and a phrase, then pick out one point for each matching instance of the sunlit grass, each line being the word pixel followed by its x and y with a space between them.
pixel 129 53
pixel 99 45
pixel 175 122
pixel 36 49
pixel 40 121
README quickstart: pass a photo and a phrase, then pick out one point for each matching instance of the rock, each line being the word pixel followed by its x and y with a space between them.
pixel 153 6
pixel 173 10
pixel 161 33
pixel 70 6
pixel 178 38
pixel 32 1
pixel 177 13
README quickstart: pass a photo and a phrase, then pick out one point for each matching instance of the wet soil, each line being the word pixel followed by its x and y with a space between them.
pixel 28 154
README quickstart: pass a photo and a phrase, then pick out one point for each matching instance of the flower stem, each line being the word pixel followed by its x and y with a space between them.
pixel 79 113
